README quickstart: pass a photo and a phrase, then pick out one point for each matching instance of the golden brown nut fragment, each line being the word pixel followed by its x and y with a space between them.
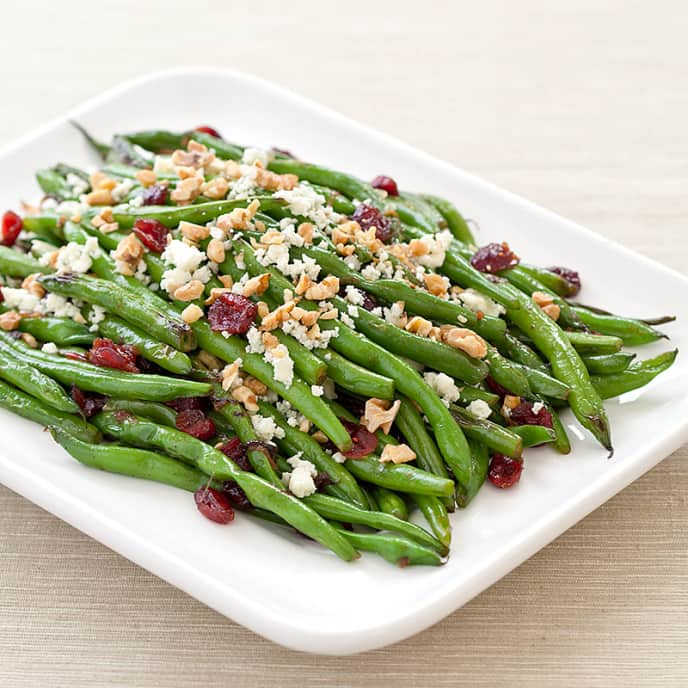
pixel 246 397
pixel 229 375
pixel 379 414
pixel 216 250
pixel 326 289
pixel 397 453
pixel 128 253
pixel 33 286
pixel 146 178
pixel 256 285
pixel 9 320
pixel 465 340
pixel 190 291
pixel 187 190
pixel 194 232
pixel 192 313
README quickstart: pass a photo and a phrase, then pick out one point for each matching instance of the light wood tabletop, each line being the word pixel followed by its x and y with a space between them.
pixel 581 107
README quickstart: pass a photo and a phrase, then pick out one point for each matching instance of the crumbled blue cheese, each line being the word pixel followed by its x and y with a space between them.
pixel 339 457
pixel 253 155
pixel 317 390
pixel 475 301
pixel 282 364
pixel 77 258
pixel 300 481
pixel 265 428
pixel 163 165
pixel 185 262
pixel 437 246
pixel 301 333
pixel 444 386
pixel 255 341
pixel 71 208
pixel 293 417
pixel 96 316
pixel 354 295
pixel 394 315
pixel 304 200
pixel 79 185
pixel 41 248
pixel 370 272
pixel 49 348
pixel 537 407
pixel 479 408
pixel 346 320
pixel 121 191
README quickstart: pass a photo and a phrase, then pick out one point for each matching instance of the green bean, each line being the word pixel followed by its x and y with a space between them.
pixel 493 436
pixel 199 213
pixel 32 409
pixel 123 151
pixel 223 149
pixel 17 264
pixel 508 374
pixel 34 382
pixel 435 513
pixel 391 503
pixel 399 477
pixel 393 548
pixel 157 140
pixel 546 385
pixel 370 499
pixel 532 435
pixel 481 467
pixel 455 221
pixel 214 463
pixel 469 394
pixel 550 280
pixel 45 225
pixel 519 352
pixel 298 394
pixel 102 149
pixel 54 184
pixel 638 374
pixel 103 380
pixel 434 354
pixel 162 323
pixel 428 457
pixel 594 344
pixel 632 332
pixel 345 486
pixel 344 183
pixel 147 347
pixel 561 440
pixel 355 378
pixel 158 413
pixel 258 457
pixel 608 363
pixel 61 331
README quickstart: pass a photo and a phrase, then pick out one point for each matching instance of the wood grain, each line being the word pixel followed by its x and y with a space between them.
pixel 580 107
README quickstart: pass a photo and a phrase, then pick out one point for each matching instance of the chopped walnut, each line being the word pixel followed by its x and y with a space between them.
pixel 466 340
pixel 33 286
pixel 215 293
pixel 256 285
pixel 269 340
pixel 129 252
pixel 326 289
pixel 146 178
pixel 417 248
pixel 303 284
pixel 305 231
pixel 216 188
pixel 552 310
pixel 226 280
pixel 105 222
pixel 274 319
pixel 190 291
pixel 546 303
pixel 419 326
pixel 330 314
pixel 99 197
pixel 216 250
pixel 230 375
pixel 435 284
pixel 210 361
pixel 274 182
pixel 397 453
pixel 194 232
pixel 320 437
pixel 239 218
pixel 192 313
pixel 187 190
pixel 246 397
pixel 379 414
pixel 100 180
pixel 29 340
pixel 196 156
pixel 256 386
pixel 263 309
pixel 9 320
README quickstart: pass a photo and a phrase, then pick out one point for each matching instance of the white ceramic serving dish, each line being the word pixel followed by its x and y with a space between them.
pixel 285 588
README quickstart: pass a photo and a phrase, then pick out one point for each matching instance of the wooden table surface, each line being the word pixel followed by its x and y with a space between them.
pixel 581 107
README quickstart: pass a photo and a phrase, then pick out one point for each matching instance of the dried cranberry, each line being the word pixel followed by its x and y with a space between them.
pixel 204 129
pixel 236 496
pixel 187 403
pixel 152 233
pixel 2 296
pixel 195 423
pixel 107 354
pixel 12 225
pixel 88 402
pixel 156 195
pixel 504 471
pixel 232 313
pixel 368 216
pixel 386 184
pixel 495 387
pixel 363 441
pixel 74 355
pixel 214 505
pixel 571 276
pixel 524 414
pixel 235 449
pixel 494 257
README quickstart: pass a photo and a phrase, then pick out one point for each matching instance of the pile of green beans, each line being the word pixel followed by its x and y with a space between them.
pixel 451 407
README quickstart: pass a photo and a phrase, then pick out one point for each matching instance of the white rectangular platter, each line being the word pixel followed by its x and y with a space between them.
pixel 285 588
